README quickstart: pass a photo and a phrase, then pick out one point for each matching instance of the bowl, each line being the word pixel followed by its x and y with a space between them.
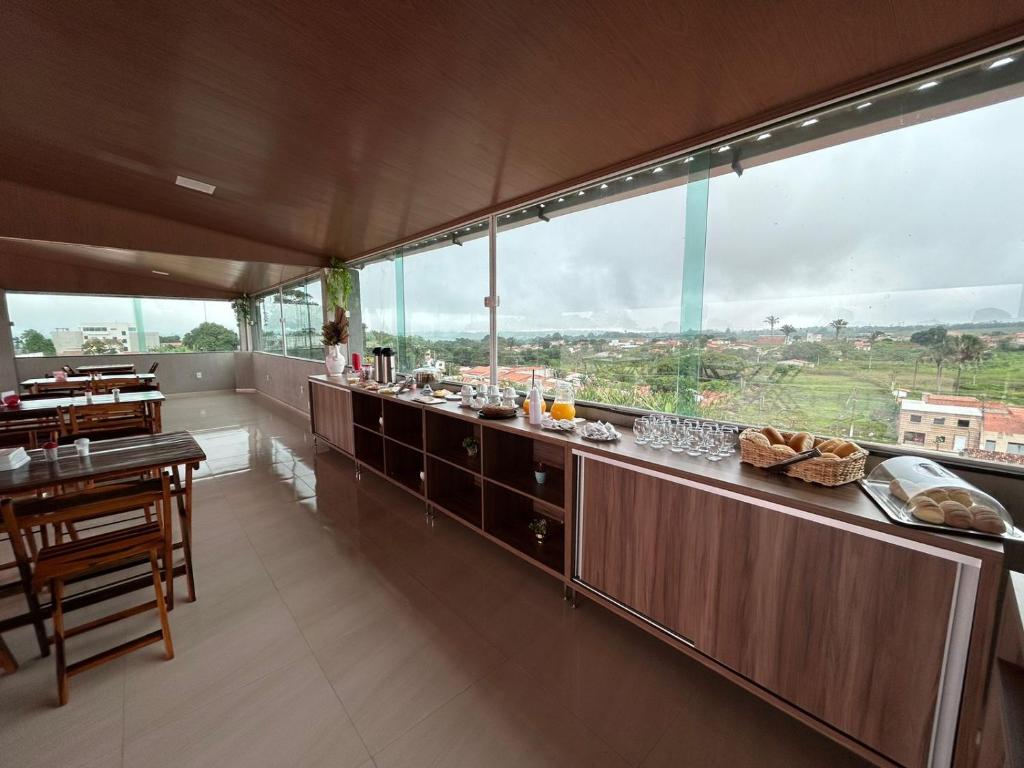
pixel 12 401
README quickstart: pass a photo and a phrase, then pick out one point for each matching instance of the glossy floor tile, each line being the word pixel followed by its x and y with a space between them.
pixel 336 626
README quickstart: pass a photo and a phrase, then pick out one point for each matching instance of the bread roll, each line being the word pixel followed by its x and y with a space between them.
pixel 829 446
pixel 846 449
pixel 986 520
pixel 758 439
pixel 773 435
pixel 783 451
pixel 956 514
pixel 928 513
pixel 902 489
pixel 801 441
pixel 937 495
pixel 960 495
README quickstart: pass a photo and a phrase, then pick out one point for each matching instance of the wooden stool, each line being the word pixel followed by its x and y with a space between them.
pixel 55 565
pixel 7 661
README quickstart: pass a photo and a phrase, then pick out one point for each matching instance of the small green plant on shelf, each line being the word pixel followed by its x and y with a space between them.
pixel 472 446
pixel 539 528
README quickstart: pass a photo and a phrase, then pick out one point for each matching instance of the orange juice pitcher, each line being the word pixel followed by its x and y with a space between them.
pixel 564 406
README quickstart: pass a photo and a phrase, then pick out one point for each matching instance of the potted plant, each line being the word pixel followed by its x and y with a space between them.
pixel 539 528
pixel 540 473
pixel 338 282
pixel 471 445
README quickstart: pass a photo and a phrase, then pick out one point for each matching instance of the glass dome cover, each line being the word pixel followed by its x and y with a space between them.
pixel 920 492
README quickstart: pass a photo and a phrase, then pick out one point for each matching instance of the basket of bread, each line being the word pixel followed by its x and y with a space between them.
pixel 921 493
pixel 840 461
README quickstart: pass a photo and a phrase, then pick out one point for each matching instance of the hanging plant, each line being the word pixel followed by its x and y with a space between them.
pixel 338 281
pixel 243 309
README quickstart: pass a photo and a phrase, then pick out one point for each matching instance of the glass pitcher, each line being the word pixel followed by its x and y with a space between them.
pixel 564 406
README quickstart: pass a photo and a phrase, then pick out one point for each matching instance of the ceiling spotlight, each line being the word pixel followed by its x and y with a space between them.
pixel 580 193
pixel 508 215
pixel 604 186
pixel 926 86
pixel 726 148
pixel 629 178
pixel 561 199
pixel 1000 62
pixel 198 186
pixel 524 210
pixel 805 123
pixel 659 169
pixel 764 136
pixel 541 205
pixel 158 272
pixel 689 159
pixel 865 105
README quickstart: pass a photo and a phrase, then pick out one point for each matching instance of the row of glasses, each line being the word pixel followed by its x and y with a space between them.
pixel 714 441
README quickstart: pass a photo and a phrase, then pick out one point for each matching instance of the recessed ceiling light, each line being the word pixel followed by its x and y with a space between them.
pixel 198 186
pixel 865 105
pixel 1001 62
pixel 688 160
pixel 805 123
pixel 629 178
pixel 659 169
pixel 581 193
pixel 726 148
pixel 158 272
pixel 764 136
pixel 604 186
pixel 926 86
pixel 561 199
pixel 508 215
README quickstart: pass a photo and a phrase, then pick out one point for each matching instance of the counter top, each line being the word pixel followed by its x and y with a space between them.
pixel 847 503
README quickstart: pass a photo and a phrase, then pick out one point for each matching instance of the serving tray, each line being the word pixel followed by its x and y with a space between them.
pixel 898 512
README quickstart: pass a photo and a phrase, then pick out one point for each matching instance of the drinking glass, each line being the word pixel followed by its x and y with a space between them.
pixel 730 438
pixel 658 432
pixel 641 430
pixel 713 445
pixel 677 437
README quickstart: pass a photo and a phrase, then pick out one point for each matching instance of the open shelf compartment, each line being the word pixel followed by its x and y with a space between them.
pixel 403 423
pixel 369 449
pixel 404 465
pixel 507 517
pixel 510 459
pixel 445 437
pixel 366 411
pixel 456 490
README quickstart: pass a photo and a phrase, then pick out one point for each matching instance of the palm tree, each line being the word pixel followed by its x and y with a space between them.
pixel 787 329
pixel 940 354
pixel 838 324
pixel 771 321
pixel 966 349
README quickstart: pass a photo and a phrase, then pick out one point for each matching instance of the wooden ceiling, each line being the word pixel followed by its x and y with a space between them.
pixel 336 128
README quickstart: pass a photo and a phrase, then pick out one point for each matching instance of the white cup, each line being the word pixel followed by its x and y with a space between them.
pixel 82 446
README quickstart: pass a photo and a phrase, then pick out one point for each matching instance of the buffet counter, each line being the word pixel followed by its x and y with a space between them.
pixel 875 634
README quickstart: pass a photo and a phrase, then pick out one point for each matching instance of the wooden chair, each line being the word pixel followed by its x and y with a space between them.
pixel 60 563
pixel 29 430
pixel 7 661
pixel 108 420
pixel 154 387
pixel 69 370
pixel 154 366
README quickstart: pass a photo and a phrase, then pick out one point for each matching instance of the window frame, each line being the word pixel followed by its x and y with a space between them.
pixel 278 291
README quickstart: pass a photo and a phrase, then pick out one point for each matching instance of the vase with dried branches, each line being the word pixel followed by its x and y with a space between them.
pixel 338 282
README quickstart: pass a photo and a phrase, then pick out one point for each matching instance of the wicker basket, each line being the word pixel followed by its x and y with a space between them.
pixel 829 472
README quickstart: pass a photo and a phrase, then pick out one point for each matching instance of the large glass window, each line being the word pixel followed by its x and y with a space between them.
pixel 817 274
pixel 289 320
pixel 71 324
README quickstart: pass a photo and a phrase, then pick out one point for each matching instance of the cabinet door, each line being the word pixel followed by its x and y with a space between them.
pixel 849 628
pixel 332 415
pixel 646 543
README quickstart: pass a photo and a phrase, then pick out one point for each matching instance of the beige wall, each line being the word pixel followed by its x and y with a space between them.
pixel 1001 439
pixel 284 378
pixel 176 374
pixel 949 430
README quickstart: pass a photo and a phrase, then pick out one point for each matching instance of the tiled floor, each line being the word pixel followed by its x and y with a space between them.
pixel 335 627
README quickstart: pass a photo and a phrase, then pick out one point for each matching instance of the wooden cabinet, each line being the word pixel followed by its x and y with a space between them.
pixel 863 631
pixel 331 415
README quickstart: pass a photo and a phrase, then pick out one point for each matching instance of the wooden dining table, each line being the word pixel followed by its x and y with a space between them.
pixel 110 460
pixel 48 406
pixel 40 385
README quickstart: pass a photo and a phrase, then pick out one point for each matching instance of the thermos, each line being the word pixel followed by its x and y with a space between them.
pixel 385 364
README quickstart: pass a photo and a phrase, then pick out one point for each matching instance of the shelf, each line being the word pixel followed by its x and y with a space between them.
pixel 455 490
pixel 509 459
pixel 369 448
pixel 403 423
pixel 366 411
pixel 404 465
pixel 444 440
pixel 507 517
